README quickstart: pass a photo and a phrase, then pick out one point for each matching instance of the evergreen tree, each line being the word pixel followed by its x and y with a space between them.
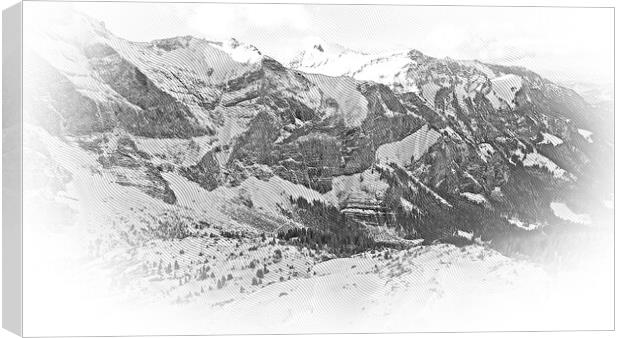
pixel 203 273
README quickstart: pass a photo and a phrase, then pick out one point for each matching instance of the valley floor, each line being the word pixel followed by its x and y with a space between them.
pixel 424 288
pixel 99 258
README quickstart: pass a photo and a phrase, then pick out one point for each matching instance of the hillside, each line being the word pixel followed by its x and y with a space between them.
pixel 208 175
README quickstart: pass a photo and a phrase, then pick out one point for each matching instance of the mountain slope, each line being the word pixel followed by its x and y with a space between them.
pixel 495 120
pixel 194 172
pixel 460 145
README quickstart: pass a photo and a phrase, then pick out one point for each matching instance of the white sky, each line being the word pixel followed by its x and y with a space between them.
pixel 563 44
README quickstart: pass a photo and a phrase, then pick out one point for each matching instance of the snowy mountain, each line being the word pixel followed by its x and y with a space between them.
pixel 322 57
pixel 191 165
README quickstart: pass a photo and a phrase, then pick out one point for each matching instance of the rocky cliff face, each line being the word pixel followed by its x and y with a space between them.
pixel 448 145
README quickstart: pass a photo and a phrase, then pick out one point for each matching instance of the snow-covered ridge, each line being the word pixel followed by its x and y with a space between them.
pixel 504 89
pixel 352 105
pixel 520 224
pixel 389 68
pixel 185 71
pixel 200 56
pixel 403 71
pixel 536 159
pixel 476 198
pixel 562 211
pixel 429 190
pixel 486 151
pixel 586 134
pixel 409 149
pixel 319 56
pixel 551 139
pixel 241 52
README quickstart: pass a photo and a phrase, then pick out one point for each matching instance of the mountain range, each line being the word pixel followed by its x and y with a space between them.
pixel 341 150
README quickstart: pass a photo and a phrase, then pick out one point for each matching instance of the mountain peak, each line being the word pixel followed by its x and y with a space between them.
pixel 316 52
pixel 320 45
pixel 416 54
pixel 241 52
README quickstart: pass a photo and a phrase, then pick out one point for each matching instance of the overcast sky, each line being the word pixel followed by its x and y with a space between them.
pixel 560 43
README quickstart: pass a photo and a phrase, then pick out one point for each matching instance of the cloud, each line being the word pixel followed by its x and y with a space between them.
pixel 224 20
pixel 554 41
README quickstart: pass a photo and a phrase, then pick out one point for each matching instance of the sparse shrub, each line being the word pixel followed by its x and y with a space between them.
pixel 231 234
pixel 171 226
pixel 202 275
